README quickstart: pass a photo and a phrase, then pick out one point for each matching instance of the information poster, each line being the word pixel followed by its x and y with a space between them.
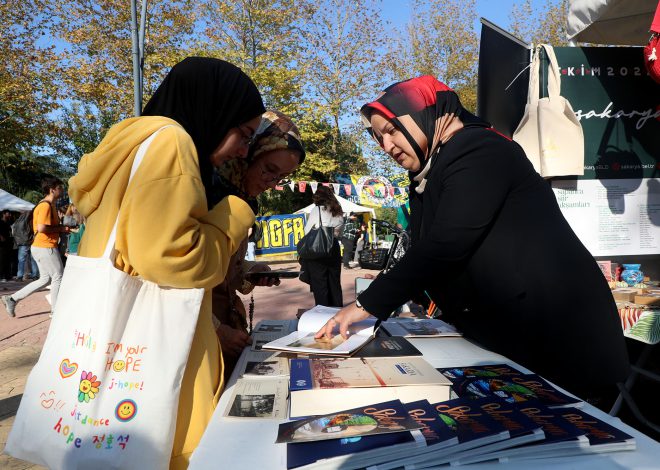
pixel 613 216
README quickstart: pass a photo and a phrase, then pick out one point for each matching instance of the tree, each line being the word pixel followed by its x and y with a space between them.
pixel 440 41
pixel 341 45
pixel 540 25
pixel 262 37
pixel 97 67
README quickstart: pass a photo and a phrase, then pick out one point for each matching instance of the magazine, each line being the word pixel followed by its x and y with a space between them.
pixel 379 418
pixel 515 389
pixel 323 385
pixel 258 399
pixel 458 374
pixel 283 327
pixel 262 364
pixel 419 328
pixel 303 341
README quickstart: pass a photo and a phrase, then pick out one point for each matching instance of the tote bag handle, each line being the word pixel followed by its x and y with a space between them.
pixel 554 79
pixel 139 156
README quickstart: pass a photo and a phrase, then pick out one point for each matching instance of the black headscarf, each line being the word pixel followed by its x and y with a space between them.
pixel 207 97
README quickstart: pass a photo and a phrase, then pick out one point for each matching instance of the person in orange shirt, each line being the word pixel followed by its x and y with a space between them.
pixel 47 229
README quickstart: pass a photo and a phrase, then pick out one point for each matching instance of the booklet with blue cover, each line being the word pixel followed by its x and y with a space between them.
pixel 514 389
pixel 379 418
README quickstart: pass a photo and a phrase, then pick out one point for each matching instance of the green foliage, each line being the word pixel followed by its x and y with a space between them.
pixel 540 25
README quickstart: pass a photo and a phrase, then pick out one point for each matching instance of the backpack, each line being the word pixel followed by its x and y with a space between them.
pixel 22 230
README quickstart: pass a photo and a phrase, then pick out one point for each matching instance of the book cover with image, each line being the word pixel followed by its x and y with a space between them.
pixel 471 426
pixel 514 389
pixel 258 399
pixel 262 364
pixel 458 374
pixel 560 435
pixel 380 418
pixel 323 385
pixel 349 452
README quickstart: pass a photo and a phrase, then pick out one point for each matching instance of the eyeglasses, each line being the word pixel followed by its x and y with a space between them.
pixel 272 176
pixel 247 137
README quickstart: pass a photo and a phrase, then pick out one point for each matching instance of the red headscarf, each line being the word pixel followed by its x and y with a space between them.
pixel 426 111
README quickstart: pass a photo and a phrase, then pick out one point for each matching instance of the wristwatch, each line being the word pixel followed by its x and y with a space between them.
pixel 358 304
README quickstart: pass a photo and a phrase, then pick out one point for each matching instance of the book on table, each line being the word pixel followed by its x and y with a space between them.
pixel 323 385
pixel 419 328
pixel 264 399
pixel 386 346
pixel 458 374
pixel 303 341
pixel 569 432
pixel 514 388
pixel 464 419
pixel 372 419
pixel 262 364
pixel 282 327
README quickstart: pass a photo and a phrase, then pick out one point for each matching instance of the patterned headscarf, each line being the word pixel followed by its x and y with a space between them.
pixel 275 132
pixel 427 112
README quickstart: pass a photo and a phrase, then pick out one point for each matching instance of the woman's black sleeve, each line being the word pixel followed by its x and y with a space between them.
pixel 474 188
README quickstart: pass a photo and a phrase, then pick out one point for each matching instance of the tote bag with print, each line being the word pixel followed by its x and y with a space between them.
pixel 549 132
pixel 104 392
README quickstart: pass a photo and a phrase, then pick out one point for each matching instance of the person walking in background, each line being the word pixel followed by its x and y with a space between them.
pixel 26 262
pixel 325 273
pixel 348 238
pixel 362 240
pixel 6 246
pixel 47 229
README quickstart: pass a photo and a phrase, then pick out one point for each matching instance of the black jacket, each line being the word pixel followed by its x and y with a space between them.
pixel 493 250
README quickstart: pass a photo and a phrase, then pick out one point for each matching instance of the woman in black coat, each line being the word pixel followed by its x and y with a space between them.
pixel 490 245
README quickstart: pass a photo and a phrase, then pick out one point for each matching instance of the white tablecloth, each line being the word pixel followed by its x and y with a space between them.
pixel 250 443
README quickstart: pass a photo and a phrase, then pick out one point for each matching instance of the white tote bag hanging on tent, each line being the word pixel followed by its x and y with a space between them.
pixel 549 132
pixel 105 391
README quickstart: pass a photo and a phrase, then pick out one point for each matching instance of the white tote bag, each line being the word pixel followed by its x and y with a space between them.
pixel 549 132
pixel 105 391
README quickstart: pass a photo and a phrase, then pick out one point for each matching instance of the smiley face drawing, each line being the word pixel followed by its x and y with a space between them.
pixel 118 366
pixel 126 410
pixel 88 387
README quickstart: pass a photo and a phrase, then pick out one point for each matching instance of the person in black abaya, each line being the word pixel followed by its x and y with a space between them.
pixel 490 245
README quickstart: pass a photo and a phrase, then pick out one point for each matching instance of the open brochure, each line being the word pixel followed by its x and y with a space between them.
pixel 303 341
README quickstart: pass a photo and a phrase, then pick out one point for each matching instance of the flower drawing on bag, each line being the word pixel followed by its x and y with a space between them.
pixel 89 387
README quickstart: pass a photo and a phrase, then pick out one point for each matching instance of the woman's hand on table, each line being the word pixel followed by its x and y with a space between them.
pixel 344 318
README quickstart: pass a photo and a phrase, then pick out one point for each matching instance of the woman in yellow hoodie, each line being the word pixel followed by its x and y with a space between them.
pixel 170 229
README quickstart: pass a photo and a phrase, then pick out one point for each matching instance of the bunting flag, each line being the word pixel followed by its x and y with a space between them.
pixel 302 186
pixel 313 185
pixel 292 185
pixel 327 185
pixel 278 187
pixel 335 186
pixel 348 189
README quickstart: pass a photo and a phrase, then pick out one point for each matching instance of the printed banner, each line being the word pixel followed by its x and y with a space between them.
pixel 375 191
pixel 613 217
pixel 281 233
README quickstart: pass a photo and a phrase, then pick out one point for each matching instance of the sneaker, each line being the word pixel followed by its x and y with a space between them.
pixel 10 305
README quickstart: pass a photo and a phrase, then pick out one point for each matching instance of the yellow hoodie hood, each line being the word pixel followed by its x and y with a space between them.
pixel 98 168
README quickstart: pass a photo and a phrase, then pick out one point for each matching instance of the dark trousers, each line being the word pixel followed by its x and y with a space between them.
pixel 6 255
pixel 348 244
pixel 325 274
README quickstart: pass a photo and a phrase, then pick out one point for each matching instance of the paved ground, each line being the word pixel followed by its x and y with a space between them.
pixel 21 339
